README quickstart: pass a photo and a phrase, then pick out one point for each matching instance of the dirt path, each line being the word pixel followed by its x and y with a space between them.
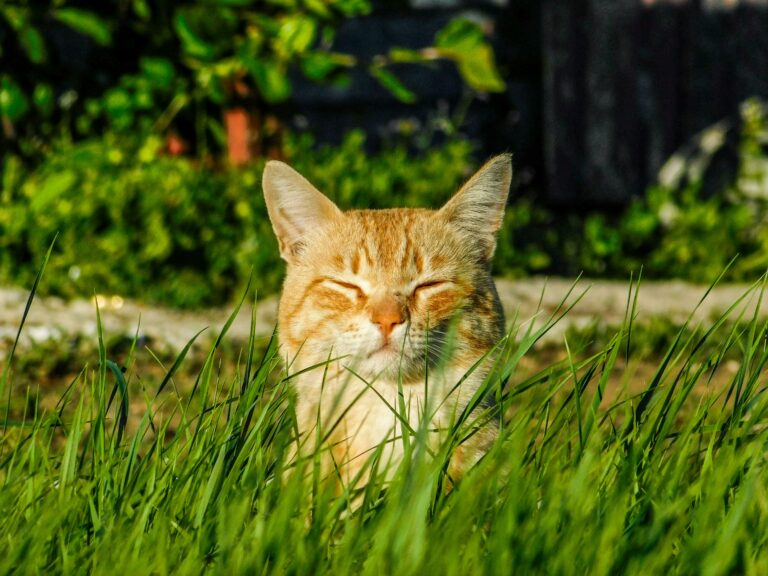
pixel 603 301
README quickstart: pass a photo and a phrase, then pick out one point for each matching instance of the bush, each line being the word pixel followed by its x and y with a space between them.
pixel 127 223
pixel 170 230
pixel 679 230
pixel 167 230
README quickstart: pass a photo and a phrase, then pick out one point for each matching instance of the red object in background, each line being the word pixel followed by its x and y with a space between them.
pixel 175 145
pixel 239 136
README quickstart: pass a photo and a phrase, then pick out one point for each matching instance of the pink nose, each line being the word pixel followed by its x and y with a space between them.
pixel 387 314
pixel 387 322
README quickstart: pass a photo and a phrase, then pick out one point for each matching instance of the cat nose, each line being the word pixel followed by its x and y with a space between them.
pixel 387 315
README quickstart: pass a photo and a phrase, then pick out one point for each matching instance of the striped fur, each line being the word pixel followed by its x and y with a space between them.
pixel 386 296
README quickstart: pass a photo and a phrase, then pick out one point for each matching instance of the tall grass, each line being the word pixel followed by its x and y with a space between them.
pixel 670 480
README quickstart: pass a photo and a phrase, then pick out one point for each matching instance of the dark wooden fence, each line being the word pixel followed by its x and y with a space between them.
pixel 626 83
pixel 601 92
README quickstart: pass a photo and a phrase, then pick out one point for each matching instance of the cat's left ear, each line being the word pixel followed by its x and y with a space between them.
pixel 295 207
pixel 478 208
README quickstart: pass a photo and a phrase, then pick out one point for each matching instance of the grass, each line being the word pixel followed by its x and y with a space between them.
pixel 667 479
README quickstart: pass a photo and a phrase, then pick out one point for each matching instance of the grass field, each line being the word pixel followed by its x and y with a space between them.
pixel 664 476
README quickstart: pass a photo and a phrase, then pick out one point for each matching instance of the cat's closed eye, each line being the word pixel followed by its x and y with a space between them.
pixel 347 288
pixel 430 286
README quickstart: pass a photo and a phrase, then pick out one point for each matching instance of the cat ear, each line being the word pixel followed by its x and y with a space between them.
pixel 478 208
pixel 295 206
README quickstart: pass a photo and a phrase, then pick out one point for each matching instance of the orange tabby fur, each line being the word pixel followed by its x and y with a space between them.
pixel 376 292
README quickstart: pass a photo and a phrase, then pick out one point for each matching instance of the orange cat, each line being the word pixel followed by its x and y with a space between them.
pixel 382 300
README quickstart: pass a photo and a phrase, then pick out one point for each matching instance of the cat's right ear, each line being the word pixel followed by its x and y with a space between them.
pixel 478 208
pixel 295 207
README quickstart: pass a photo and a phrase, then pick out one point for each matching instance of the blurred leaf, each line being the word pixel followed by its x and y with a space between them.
pixel 327 35
pixel 159 71
pixel 118 104
pixel 191 42
pixel 478 69
pixel 43 98
pixel 30 39
pixel 32 42
pixel 296 34
pixel 393 84
pixel 13 103
pixel 217 131
pixel 340 80
pixel 270 79
pixel 86 23
pixel 17 18
pixel 141 9
pixel 318 7
pixel 463 41
pixel 459 34
pixel 403 55
pixel 318 65
pixel 51 189
pixel 351 8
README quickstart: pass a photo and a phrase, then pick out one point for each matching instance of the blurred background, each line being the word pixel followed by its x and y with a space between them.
pixel 136 131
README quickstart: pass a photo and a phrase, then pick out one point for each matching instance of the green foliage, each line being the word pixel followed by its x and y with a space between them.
pixel 463 41
pixel 25 21
pixel 686 234
pixel 13 103
pixel 125 220
pixel 132 106
pixel 165 229
pixel 675 231
pixel 194 60
pixel 671 479
pixel 228 42
pixel 85 22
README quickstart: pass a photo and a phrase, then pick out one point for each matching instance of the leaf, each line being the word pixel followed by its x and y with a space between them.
pixel 463 41
pixel 32 42
pixel 16 17
pixel 350 8
pixel 141 9
pixel 13 103
pixel 478 69
pixel 393 84
pixel 459 34
pixel 86 23
pixel 191 42
pixel 51 189
pixel 159 71
pixel 43 98
pixel 117 101
pixel 271 80
pixel 318 7
pixel 296 34
pixel 318 65
pixel 404 55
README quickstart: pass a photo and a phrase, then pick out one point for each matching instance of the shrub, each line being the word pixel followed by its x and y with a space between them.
pixel 173 231
pixel 683 232
pixel 168 230
pixel 127 223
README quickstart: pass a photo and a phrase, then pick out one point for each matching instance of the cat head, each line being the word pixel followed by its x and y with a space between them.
pixel 384 288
